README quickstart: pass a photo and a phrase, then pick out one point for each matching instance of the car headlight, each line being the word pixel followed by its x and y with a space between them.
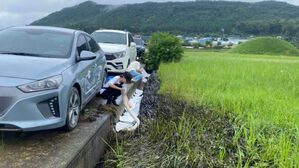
pixel 119 54
pixel 41 85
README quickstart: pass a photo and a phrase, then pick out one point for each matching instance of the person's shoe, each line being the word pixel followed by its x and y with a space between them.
pixel 98 95
pixel 114 103
pixel 109 101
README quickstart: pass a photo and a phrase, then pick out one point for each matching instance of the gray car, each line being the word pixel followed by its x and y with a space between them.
pixel 47 75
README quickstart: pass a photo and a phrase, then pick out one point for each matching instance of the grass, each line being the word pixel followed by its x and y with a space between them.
pixel 205 50
pixel 261 94
pixel 180 136
pixel 266 46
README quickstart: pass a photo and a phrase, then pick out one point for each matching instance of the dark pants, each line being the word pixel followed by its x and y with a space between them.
pixel 111 94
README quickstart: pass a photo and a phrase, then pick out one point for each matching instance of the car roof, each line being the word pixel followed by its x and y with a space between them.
pixel 111 30
pixel 55 29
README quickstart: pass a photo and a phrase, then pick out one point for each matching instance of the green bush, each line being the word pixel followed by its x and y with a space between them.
pixel 163 47
pixel 218 47
pixel 196 45
pixel 186 43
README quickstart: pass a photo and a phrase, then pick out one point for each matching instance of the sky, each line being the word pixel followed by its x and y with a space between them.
pixel 23 12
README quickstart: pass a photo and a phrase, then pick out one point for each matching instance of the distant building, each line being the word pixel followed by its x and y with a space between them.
pixel 202 41
pixel 145 37
pixel 189 38
pixel 193 42
pixel 180 36
pixel 208 38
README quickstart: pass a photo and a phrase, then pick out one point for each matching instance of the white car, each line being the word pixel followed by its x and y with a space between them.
pixel 119 47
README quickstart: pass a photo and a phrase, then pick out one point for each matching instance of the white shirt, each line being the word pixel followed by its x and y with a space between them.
pixel 114 81
pixel 133 66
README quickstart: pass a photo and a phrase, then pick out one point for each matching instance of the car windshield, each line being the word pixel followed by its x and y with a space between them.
pixel 138 41
pixel 35 42
pixel 110 37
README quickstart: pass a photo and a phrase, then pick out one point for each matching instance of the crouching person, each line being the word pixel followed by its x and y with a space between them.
pixel 113 88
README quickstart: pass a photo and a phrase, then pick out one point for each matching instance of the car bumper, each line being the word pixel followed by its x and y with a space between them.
pixel 30 111
pixel 117 65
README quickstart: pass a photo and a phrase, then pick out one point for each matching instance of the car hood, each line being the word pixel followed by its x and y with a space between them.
pixel 10 82
pixel 112 48
pixel 30 68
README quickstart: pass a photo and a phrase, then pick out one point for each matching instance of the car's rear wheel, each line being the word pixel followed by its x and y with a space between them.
pixel 73 110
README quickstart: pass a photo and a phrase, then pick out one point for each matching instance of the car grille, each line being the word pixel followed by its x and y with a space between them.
pixel 5 102
pixel 110 57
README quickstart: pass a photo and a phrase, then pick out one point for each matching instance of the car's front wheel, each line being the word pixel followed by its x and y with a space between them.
pixel 73 110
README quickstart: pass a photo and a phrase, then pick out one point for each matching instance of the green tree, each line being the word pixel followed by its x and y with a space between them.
pixel 207 17
pixel 163 47
pixel 196 45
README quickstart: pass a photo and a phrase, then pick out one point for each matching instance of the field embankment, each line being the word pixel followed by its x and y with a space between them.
pixel 266 46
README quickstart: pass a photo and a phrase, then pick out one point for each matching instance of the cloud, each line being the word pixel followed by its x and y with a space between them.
pixel 22 12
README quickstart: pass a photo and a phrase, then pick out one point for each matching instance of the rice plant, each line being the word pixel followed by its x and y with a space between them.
pixel 259 93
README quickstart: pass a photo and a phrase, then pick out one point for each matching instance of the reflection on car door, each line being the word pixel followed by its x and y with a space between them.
pixel 87 67
pixel 98 64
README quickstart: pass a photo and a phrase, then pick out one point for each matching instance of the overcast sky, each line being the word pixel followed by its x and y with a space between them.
pixel 22 12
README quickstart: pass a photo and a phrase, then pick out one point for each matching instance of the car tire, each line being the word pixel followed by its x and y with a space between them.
pixel 73 110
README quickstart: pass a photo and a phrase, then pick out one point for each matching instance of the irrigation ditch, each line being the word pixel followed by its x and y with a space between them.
pixel 174 134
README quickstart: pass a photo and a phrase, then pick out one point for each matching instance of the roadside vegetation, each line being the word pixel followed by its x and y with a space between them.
pixel 163 48
pixel 217 109
pixel 260 94
pixel 266 46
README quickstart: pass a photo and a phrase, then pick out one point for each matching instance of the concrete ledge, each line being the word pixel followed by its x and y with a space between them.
pixel 81 148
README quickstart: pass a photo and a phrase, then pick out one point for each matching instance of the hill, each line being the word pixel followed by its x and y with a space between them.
pixel 267 46
pixel 199 17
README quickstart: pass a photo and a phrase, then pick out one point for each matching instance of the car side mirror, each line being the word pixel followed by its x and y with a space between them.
pixel 133 44
pixel 87 55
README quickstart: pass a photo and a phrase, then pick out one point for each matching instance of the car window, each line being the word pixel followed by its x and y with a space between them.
pixel 82 44
pixel 110 37
pixel 36 42
pixel 138 41
pixel 94 47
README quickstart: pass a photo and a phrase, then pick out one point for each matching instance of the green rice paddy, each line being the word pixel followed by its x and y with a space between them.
pixel 259 93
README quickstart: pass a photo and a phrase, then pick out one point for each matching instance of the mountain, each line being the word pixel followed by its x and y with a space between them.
pixel 199 17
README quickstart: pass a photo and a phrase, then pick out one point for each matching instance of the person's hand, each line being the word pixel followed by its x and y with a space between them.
pixel 129 105
pixel 139 70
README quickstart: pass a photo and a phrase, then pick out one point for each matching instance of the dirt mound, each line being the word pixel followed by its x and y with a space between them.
pixel 266 46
